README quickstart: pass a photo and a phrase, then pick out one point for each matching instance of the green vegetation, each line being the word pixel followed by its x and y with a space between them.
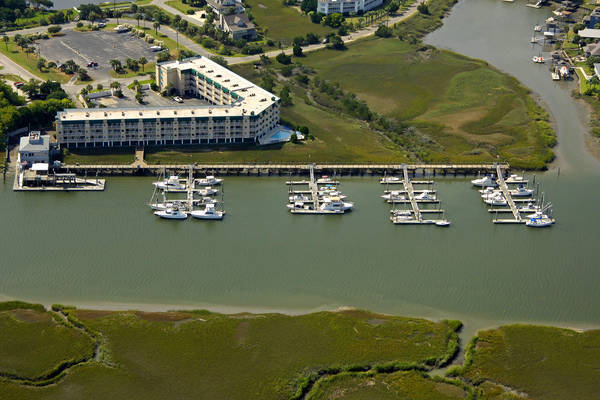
pixel 208 355
pixel 34 343
pixel 181 6
pixel 30 63
pixel 543 362
pixel 282 23
pixel 413 385
pixel 120 156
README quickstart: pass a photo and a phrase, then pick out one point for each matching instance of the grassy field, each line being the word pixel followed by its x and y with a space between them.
pixel 179 5
pixel 99 156
pixel 32 342
pixel 281 23
pixel 29 62
pixel 542 362
pixel 400 385
pixel 215 356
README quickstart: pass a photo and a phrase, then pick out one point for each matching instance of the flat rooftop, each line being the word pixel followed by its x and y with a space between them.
pixel 252 99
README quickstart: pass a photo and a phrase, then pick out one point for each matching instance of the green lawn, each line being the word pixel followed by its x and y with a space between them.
pixel 281 23
pixel 543 362
pixel 213 356
pixel 179 5
pixel 29 62
pixel 121 156
pixel 32 343
pixel 401 385
pixel 130 73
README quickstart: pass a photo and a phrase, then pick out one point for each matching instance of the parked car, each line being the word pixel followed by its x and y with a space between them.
pixel 18 84
pixel 178 99
pixel 101 25
pixel 92 64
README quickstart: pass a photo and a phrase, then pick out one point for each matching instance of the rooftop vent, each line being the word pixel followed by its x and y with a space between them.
pixel 105 113
pixel 123 113
pixel 87 114
pixel 227 80
pixel 218 76
pixel 141 113
pixel 157 112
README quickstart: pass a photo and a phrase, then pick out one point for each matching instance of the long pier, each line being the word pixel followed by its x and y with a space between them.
pixel 509 200
pixel 260 169
pixel 408 187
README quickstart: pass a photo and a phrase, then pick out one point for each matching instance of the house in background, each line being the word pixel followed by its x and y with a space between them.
pixel 238 26
pixel 222 7
pixel 594 18
pixel 34 148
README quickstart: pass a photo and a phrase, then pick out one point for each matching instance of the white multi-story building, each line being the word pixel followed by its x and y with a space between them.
pixel 239 112
pixel 346 6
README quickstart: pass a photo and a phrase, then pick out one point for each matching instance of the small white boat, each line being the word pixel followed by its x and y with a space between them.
pixel 331 193
pixel 164 206
pixel 521 191
pixel 398 213
pixel 336 204
pixel 299 197
pixel 529 208
pixel 537 28
pixel 398 219
pixel 209 212
pixel 533 39
pixel 207 191
pixel 209 181
pixel 484 182
pixel 171 213
pixel 538 59
pixel 171 183
pixel 426 196
pixel 328 188
pixel 326 179
pixel 539 220
pixel 208 200
pixel 514 179
pixel 555 76
pixel 299 205
pixel 394 195
pixel 442 223
pixel 496 200
pixel 390 179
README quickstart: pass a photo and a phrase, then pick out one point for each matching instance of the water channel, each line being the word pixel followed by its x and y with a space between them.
pixel 107 249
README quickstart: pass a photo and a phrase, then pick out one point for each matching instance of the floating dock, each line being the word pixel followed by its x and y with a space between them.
pixel 314 202
pixel 31 181
pixel 509 200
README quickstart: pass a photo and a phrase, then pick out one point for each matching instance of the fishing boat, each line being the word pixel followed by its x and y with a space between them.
pixel 390 179
pixel 522 191
pixel 336 204
pixel 484 182
pixel 171 213
pixel 209 181
pixel 426 196
pixel 207 191
pixel 394 195
pixel 170 183
pixel 496 200
pixel 208 200
pixel 209 212
pixel 530 207
pixel 165 205
pixel 538 59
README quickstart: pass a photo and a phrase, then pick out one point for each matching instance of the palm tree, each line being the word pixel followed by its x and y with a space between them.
pixel 138 16
pixel 156 27
pixel 143 62
pixel 115 64
pixel 5 39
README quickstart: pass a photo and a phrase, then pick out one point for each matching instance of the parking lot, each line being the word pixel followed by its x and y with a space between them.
pixel 151 99
pixel 99 46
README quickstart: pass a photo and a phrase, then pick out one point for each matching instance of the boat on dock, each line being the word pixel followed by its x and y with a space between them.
pixel 539 220
pixel 537 28
pixel 171 213
pixel 208 181
pixel 514 178
pixel 326 180
pixel 425 196
pixel 394 195
pixel 209 212
pixel 555 76
pixel 171 183
pixel 207 191
pixel 484 182
pixel 335 204
pixel 522 191
pixel 390 180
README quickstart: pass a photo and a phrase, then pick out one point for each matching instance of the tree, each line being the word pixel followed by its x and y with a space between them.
pixel 298 51
pixel 54 29
pixel 142 61
pixel 116 65
pixel 423 8
pixel 31 88
pixel 284 95
pixel 71 67
pixel 265 60
pixel 336 43
pixel 294 138
pixel 384 31
pixel 219 60
pixel 334 20
pixel 282 58
pixel 5 39
pixel 139 97
pixel 311 38
pixel 41 64
pixel 308 6
pixel 83 75
pixel 268 83
pixel 99 86
pixel 316 17
pixel 156 26
pixel 115 85
pixel 139 16
pixel 393 7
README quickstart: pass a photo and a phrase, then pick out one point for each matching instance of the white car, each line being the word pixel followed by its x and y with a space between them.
pixel 178 99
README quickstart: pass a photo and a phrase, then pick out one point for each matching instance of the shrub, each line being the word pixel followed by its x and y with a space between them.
pixel 287 70
pixel 54 29
pixel 294 138
pixel 283 59
pixel 423 8
pixel 298 51
pixel 383 31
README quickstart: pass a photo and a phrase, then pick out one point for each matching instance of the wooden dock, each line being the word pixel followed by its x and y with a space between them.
pixel 408 187
pixel 281 169
pixel 509 200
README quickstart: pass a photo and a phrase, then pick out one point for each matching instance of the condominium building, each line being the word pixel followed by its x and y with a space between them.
pixel 346 6
pixel 239 112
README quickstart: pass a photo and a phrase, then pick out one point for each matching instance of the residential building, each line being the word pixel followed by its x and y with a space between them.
pixel 221 7
pixel 592 19
pixel 346 6
pixel 34 148
pixel 597 70
pixel 239 112
pixel 238 26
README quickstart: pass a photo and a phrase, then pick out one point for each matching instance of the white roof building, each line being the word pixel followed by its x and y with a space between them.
pixel 34 148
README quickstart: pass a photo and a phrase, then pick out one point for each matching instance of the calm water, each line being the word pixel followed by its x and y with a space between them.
pixel 105 248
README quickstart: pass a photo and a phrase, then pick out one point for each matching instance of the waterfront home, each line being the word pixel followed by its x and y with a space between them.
pixel 238 26
pixel 34 148
pixel 224 7
pixel 589 33
pixel 592 49
pixel 594 18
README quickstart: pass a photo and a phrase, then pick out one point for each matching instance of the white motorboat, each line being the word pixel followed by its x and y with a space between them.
pixel 529 208
pixel 538 59
pixel 328 188
pixel 564 72
pixel 426 196
pixel 398 213
pixel 539 220
pixel 390 179
pixel 299 205
pixel 209 181
pixel 171 213
pixel 398 219
pixel 496 200
pixel 325 179
pixel 394 195
pixel 488 191
pixel 514 178
pixel 171 183
pixel 442 223
pixel 299 197
pixel 522 191
pixel 486 181
pixel 208 200
pixel 207 191
pixel 331 193
pixel 336 204
pixel 537 28
pixel 164 206
pixel 209 212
